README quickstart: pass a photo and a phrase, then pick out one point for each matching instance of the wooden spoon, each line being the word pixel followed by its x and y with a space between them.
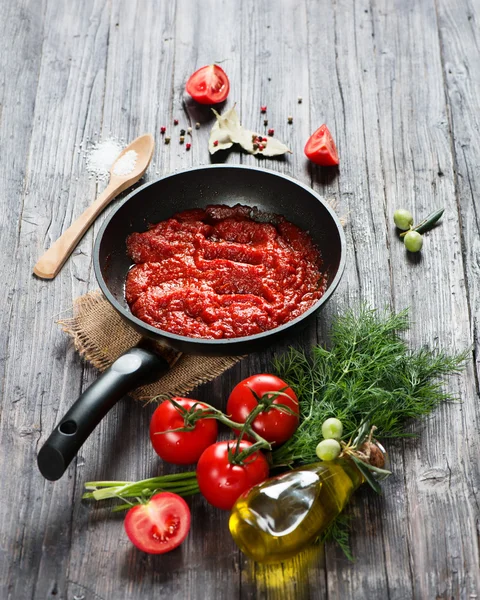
pixel 52 260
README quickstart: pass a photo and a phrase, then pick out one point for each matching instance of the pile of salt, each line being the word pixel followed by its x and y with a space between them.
pixel 101 156
pixel 125 164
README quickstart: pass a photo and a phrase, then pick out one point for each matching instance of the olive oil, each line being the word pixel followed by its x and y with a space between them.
pixel 279 517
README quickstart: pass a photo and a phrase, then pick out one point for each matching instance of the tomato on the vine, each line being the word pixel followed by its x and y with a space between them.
pixel 160 525
pixel 180 447
pixel 208 85
pixel 274 425
pixel 222 482
pixel 320 148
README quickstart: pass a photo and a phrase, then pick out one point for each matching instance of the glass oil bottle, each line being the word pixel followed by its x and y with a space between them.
pixel 279 517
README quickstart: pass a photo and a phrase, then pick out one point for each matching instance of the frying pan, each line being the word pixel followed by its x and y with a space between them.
pixel 271 193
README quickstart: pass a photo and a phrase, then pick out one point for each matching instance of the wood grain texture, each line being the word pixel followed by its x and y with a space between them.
pixel 398 84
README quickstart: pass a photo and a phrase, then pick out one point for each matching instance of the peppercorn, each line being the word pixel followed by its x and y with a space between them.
pixel 182 139
pixel 197 125
pixel 167 139
pixel 215 143
pixel 188 146
pixel 261 147
pixel 290 120
pixel 163 129
pixel 263 109
pixel 189 129
pixel 300 99
pixel 265 122
pixel 264 139
pixel 175 121
pixel 271 131
pixel 182 131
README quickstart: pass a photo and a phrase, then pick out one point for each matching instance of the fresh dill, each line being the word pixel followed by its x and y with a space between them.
pixel 368 372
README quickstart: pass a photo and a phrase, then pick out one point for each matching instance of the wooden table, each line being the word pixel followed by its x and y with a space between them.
pixel 398 83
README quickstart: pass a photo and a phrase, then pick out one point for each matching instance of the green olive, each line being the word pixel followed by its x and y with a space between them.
pixel 413 241
pixel 403 219
pixel 328 449
pixel 332 429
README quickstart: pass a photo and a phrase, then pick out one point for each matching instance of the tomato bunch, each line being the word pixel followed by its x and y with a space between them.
pixel 262 411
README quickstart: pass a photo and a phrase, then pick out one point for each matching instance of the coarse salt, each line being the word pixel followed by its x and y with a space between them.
pixel 101 156
pixel 125 164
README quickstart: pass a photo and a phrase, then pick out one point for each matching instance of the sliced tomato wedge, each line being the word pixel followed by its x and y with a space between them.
pixel 208 85
pixel 320 148
pixel 160 525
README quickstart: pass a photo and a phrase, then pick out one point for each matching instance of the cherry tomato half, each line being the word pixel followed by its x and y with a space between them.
pixel 220 482
pixel 208 85
pixel 180 447
pixel 160 525
pixel 320 148
pixel 273 425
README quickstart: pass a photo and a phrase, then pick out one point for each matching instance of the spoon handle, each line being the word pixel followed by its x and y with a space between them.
pixel 50 263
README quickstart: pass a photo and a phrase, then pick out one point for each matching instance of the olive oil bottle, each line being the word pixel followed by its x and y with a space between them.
pixel 279 517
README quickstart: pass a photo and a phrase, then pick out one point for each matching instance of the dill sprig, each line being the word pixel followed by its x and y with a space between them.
pixel 368 373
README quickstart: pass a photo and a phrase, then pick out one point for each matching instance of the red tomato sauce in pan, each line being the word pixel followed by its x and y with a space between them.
pixel 218 273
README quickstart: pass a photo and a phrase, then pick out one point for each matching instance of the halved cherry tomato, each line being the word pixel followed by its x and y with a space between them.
pixel 221 482
pixel 320 148
pixel 180 447
pixel 274 425
pixel 160 525
pixel 209 85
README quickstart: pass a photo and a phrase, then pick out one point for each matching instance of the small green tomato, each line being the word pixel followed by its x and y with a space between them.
pixel 403 219
pixel 332 429
pixel 413 241
pixel 328 449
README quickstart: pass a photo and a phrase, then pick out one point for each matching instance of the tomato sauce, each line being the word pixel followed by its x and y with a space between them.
pixel 219 273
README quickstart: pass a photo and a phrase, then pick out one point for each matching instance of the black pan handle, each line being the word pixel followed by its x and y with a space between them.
pixel 134 368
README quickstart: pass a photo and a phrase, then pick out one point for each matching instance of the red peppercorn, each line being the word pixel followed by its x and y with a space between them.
pixel 215 143
pixel 264 139
pixel 263 109
pixel 175 121
pixel 261 147
pixel 188 146
pixel 271 131
pixel 259 138
pixel 163 129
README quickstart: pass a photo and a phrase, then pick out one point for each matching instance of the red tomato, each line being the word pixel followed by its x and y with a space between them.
pixel 220 482
pixel 160 525
pixel 180 447
pixel 273 425
pixel 209 85
pixel 320 148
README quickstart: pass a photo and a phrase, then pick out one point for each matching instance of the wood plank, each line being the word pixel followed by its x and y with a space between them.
pixel 24 22
pixel 42 371
pixel 344 96
pixel 460 42
pixel 160 39
pixel 274 57
pixel 419 175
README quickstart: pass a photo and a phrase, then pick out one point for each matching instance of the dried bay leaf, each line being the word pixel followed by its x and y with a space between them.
pixel 228 131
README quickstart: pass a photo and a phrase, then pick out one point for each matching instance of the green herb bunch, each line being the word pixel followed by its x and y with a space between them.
pixel 368 374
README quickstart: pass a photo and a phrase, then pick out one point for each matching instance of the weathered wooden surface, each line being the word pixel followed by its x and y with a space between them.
pixel 398 83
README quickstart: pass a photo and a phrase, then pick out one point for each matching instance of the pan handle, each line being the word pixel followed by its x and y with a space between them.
pixel 134 368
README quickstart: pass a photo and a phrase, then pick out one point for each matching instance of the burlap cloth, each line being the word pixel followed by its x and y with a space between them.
pixel 100 336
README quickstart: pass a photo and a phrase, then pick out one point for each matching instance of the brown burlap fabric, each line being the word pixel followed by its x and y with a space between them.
pixel 100 335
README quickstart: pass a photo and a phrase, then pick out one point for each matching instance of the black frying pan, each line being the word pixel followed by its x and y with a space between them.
pixel 271 193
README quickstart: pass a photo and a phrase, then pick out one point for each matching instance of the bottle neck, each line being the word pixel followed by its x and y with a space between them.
pixel 352 471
